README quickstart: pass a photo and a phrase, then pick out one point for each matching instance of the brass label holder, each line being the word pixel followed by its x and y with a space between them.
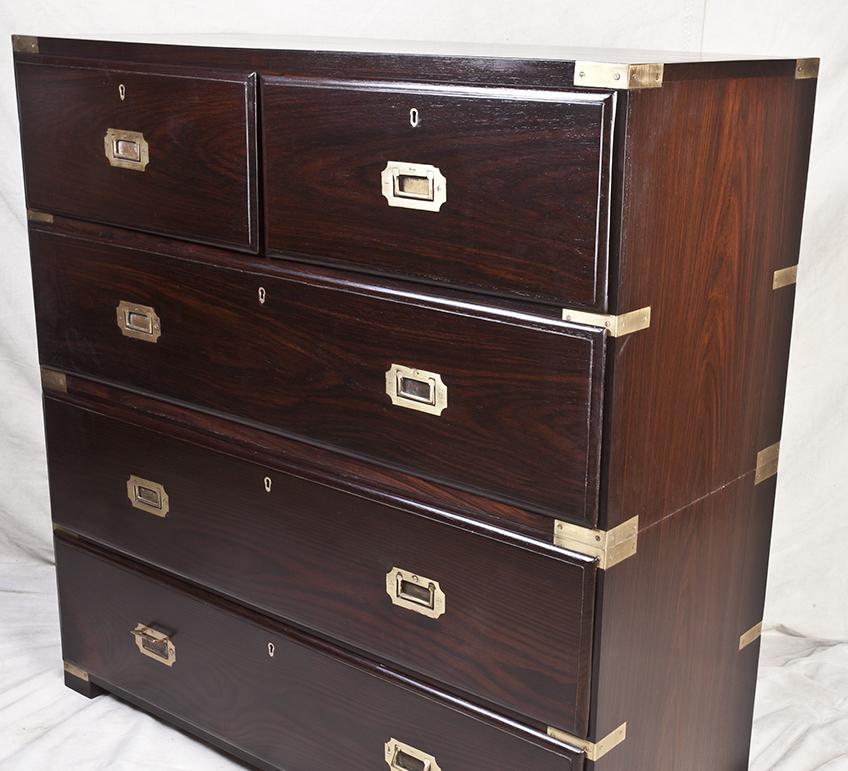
pixel 126 149
pixel 767 460
pixel 413 186
pixel 154 644
pixel 628 77
pixel 416 593
pixel 404 757
pixel 148 496
pixel 416 389
pixel 594 750
pixel 616 326
pixel 609 547
pixel 140 322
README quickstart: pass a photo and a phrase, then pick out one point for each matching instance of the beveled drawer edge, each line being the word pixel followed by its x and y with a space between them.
pixel 593 750
pixel 609 547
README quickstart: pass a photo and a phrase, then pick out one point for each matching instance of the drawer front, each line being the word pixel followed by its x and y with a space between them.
pixel 166 153
pixel 495 190
pixel 290 709
pixel 505 622
pixel 516 412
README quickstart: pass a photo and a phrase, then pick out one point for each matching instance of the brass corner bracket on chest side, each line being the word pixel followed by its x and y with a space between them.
pixel 767 460
pixel 784 277
pixel 24 44
pixel 609 547
pixel 53 380
pixel 73 669
pixel 807 69
pixel 593 750
pixel 751 635
pixel 39 216
pixel 616 326
pixel 628 77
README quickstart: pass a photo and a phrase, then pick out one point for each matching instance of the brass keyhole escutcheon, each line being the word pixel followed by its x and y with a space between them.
pixel 272 649
pixel 267 484
pixel 261 294
pixel 414 117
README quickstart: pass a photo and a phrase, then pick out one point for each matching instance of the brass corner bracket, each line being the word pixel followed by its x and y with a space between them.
pixel 52 380
pixel 593 750
pixel 617 326
pixel 39 216
pixel 767 463
pixel 615 75
pixel 784 277
pixel 609 547
pixel 73 669
pixel 24 44
pixel 751 635
pixel 807 69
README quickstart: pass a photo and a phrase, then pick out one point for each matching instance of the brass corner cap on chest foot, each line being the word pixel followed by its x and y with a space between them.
pixel 609 546
pixel 593 750
pixel 77 672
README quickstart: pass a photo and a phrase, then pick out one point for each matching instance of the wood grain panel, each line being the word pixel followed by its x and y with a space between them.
pixel 319 557
pixel 522 422
pixel 201 181
pixel 527 176
pixel 309 701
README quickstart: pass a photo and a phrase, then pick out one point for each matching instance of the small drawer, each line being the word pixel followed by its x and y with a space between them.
pixel 170 152
pixel 276 697
pixel 503 404
pixel 495 617
pixel 494 190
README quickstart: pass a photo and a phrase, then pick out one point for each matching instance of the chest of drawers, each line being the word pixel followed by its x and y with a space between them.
pixel 416 410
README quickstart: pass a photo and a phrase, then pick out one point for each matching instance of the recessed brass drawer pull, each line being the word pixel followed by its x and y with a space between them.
pixel 126 149
pixel 147 496
pixel 416 389
pixel 414 186
pixel 415 593
pixel 138 321
pixel 402 757
pixel 155 644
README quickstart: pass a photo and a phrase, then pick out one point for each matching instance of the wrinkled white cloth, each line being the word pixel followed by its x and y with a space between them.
pixel 801 720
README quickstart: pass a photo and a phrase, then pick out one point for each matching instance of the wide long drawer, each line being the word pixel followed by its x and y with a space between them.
pixel 275 695
pixel 495 617
pixel 161 149
pixel 497 190
pixel 501 403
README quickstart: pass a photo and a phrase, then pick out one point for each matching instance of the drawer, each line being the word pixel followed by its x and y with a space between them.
pixel 496 617
pixel 501 191
pixel 490 401
pixel 169 151
pixel 274 695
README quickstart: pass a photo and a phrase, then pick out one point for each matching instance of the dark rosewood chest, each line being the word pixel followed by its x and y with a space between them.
pixel 416 411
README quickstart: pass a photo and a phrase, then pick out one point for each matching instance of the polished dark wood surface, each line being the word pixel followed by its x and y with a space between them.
pixel 522 422
pixel 667 653
pixel 526 176
pixel 319 557
pixel 309 701
pixel 712 204
pixel 201 181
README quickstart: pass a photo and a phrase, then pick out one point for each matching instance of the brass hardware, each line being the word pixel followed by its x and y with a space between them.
pixel 751 635
pixel 767 463
pixel 414 117
pixel 267 483
pixel 609 546
pixel 126 149
pixel 155 645
pixel 122 92
pixel 414 185
pixel 616 75
pixel 785 277
pixel 147 496
pixel 51 380
pixel 39 216
pixel 416 389
pixel 24 44
pixel 261 294
pixel 416 593
pixel 403 757
pixel 806 69
pixel 617 326
pixel 272 649
pixel 138 321
pixel 593 750
pixel 73 669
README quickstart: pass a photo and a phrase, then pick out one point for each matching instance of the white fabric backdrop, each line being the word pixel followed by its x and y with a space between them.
pixel 807 582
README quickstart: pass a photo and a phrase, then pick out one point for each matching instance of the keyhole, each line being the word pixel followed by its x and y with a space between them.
pixel 122 91
pixel 262 295
pixel 413 117
pixel 271 649
pixel 267 484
